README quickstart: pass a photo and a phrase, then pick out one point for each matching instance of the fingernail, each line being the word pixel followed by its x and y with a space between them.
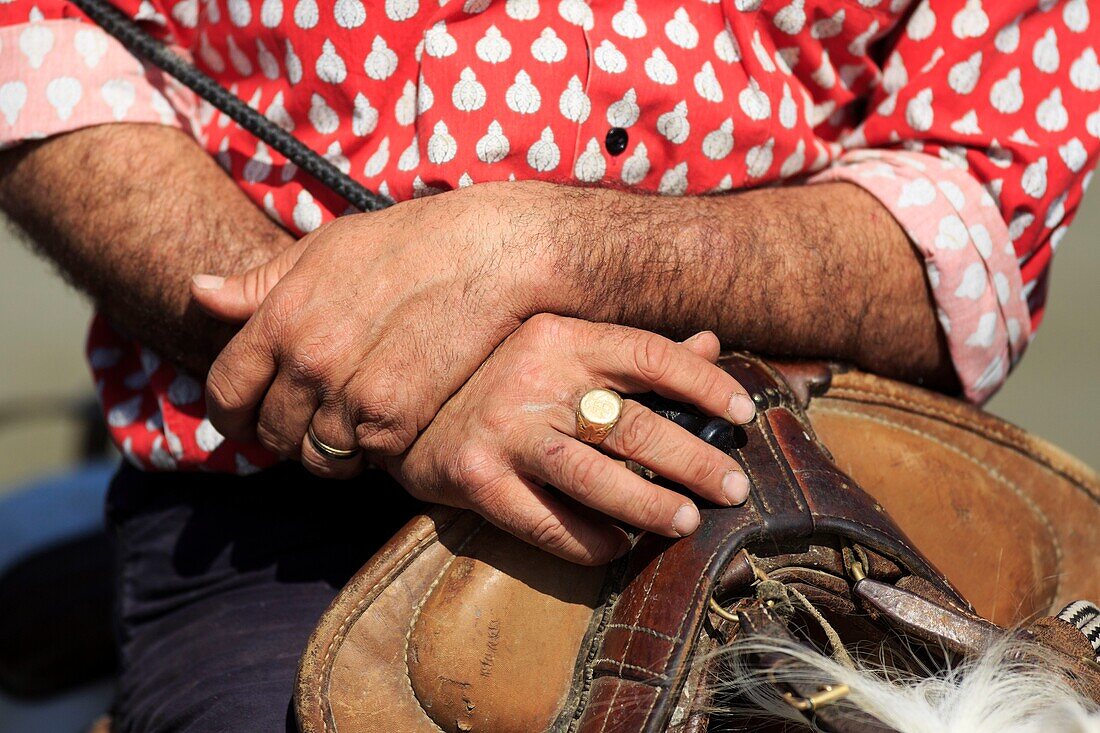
pixel 686 520
pixel 741 408
pixel 735 487
pixel 208 282
pixel 692 339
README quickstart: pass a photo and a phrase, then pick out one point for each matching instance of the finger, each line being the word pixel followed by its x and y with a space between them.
pixel 385 403
pixel 535 515
pixel 236 298
pixel 331 428
pixel 236 384
pixel 285 415
pixel 704 344
pixel 669 450
pixel 601 483
pixel 649 362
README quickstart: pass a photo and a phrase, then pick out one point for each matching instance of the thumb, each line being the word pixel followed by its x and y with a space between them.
pixel 235 298
pixel 705 344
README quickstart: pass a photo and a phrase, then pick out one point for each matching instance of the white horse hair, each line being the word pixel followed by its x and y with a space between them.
pixel 996 692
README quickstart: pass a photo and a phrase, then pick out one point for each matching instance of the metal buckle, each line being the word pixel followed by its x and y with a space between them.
pixel 827 695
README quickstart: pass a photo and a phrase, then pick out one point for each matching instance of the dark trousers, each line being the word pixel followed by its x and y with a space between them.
pixel 220 581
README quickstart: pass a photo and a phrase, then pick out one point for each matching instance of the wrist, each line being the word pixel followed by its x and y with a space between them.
pixel 523 231
pixel 572 248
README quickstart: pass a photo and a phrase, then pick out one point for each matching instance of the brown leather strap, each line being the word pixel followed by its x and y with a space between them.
pixel 640 651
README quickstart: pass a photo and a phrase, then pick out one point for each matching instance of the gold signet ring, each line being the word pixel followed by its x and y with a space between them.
pixel 597 413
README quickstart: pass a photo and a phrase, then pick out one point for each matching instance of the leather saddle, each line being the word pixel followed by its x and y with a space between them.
pixel 455 626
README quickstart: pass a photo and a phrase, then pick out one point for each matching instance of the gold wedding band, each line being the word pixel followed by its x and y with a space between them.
pixel 597 413
pixel 326 450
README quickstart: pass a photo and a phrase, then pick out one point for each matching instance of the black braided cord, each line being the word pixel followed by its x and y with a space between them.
pixel 145 47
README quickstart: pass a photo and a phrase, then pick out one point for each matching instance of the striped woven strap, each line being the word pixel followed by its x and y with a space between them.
pixel 1086 617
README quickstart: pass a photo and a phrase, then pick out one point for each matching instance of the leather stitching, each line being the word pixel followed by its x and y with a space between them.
pixel 630 638
pixel 633 668
pixel 645 630
pixel 993 473
pixel 785 470
pixel 854 393
pixel 594 646
pixel 357 610
pixel 757 496
pixel 416 617
pixel 695 606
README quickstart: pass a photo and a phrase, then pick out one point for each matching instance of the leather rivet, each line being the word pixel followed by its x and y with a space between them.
pixel 759 399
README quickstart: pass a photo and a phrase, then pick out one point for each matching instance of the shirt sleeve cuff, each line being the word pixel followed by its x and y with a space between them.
pixel 62 75
pixel 971 264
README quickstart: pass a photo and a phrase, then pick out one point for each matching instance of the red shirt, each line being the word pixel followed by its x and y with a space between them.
pixel 974 124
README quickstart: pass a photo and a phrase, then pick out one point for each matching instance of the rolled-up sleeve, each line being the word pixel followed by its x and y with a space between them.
pixel 978 140
pixel 59 74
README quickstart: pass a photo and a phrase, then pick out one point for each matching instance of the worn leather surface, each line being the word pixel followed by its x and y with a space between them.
pixel 1011 519
pixel 462 659
pixel 454 623
pixel 385 656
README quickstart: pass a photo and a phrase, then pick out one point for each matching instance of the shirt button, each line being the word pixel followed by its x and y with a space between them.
pixel 616 140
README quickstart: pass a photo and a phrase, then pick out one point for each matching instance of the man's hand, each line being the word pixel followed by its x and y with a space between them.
pixel 380 317
pixel 510 431
pixel 371 323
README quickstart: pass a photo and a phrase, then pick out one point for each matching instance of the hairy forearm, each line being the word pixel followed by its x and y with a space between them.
pixel 128 213
pixel 810 271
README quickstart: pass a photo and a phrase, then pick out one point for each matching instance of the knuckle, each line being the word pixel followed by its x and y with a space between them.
pixel 702 469
pixel 277 312
pixel 553 452
pixel 543 328
pixel 497 421
pixel 548 532
pixel 636 433
pixel 652 356
pixel 714 380
pixel 648 508
pixel 274 440
pixel 382 426
pixel 529 377
pixel 587 472
pixel 253 284
pixel 473 467
pixel 309 366
pixel 220 391
pixel 390 441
